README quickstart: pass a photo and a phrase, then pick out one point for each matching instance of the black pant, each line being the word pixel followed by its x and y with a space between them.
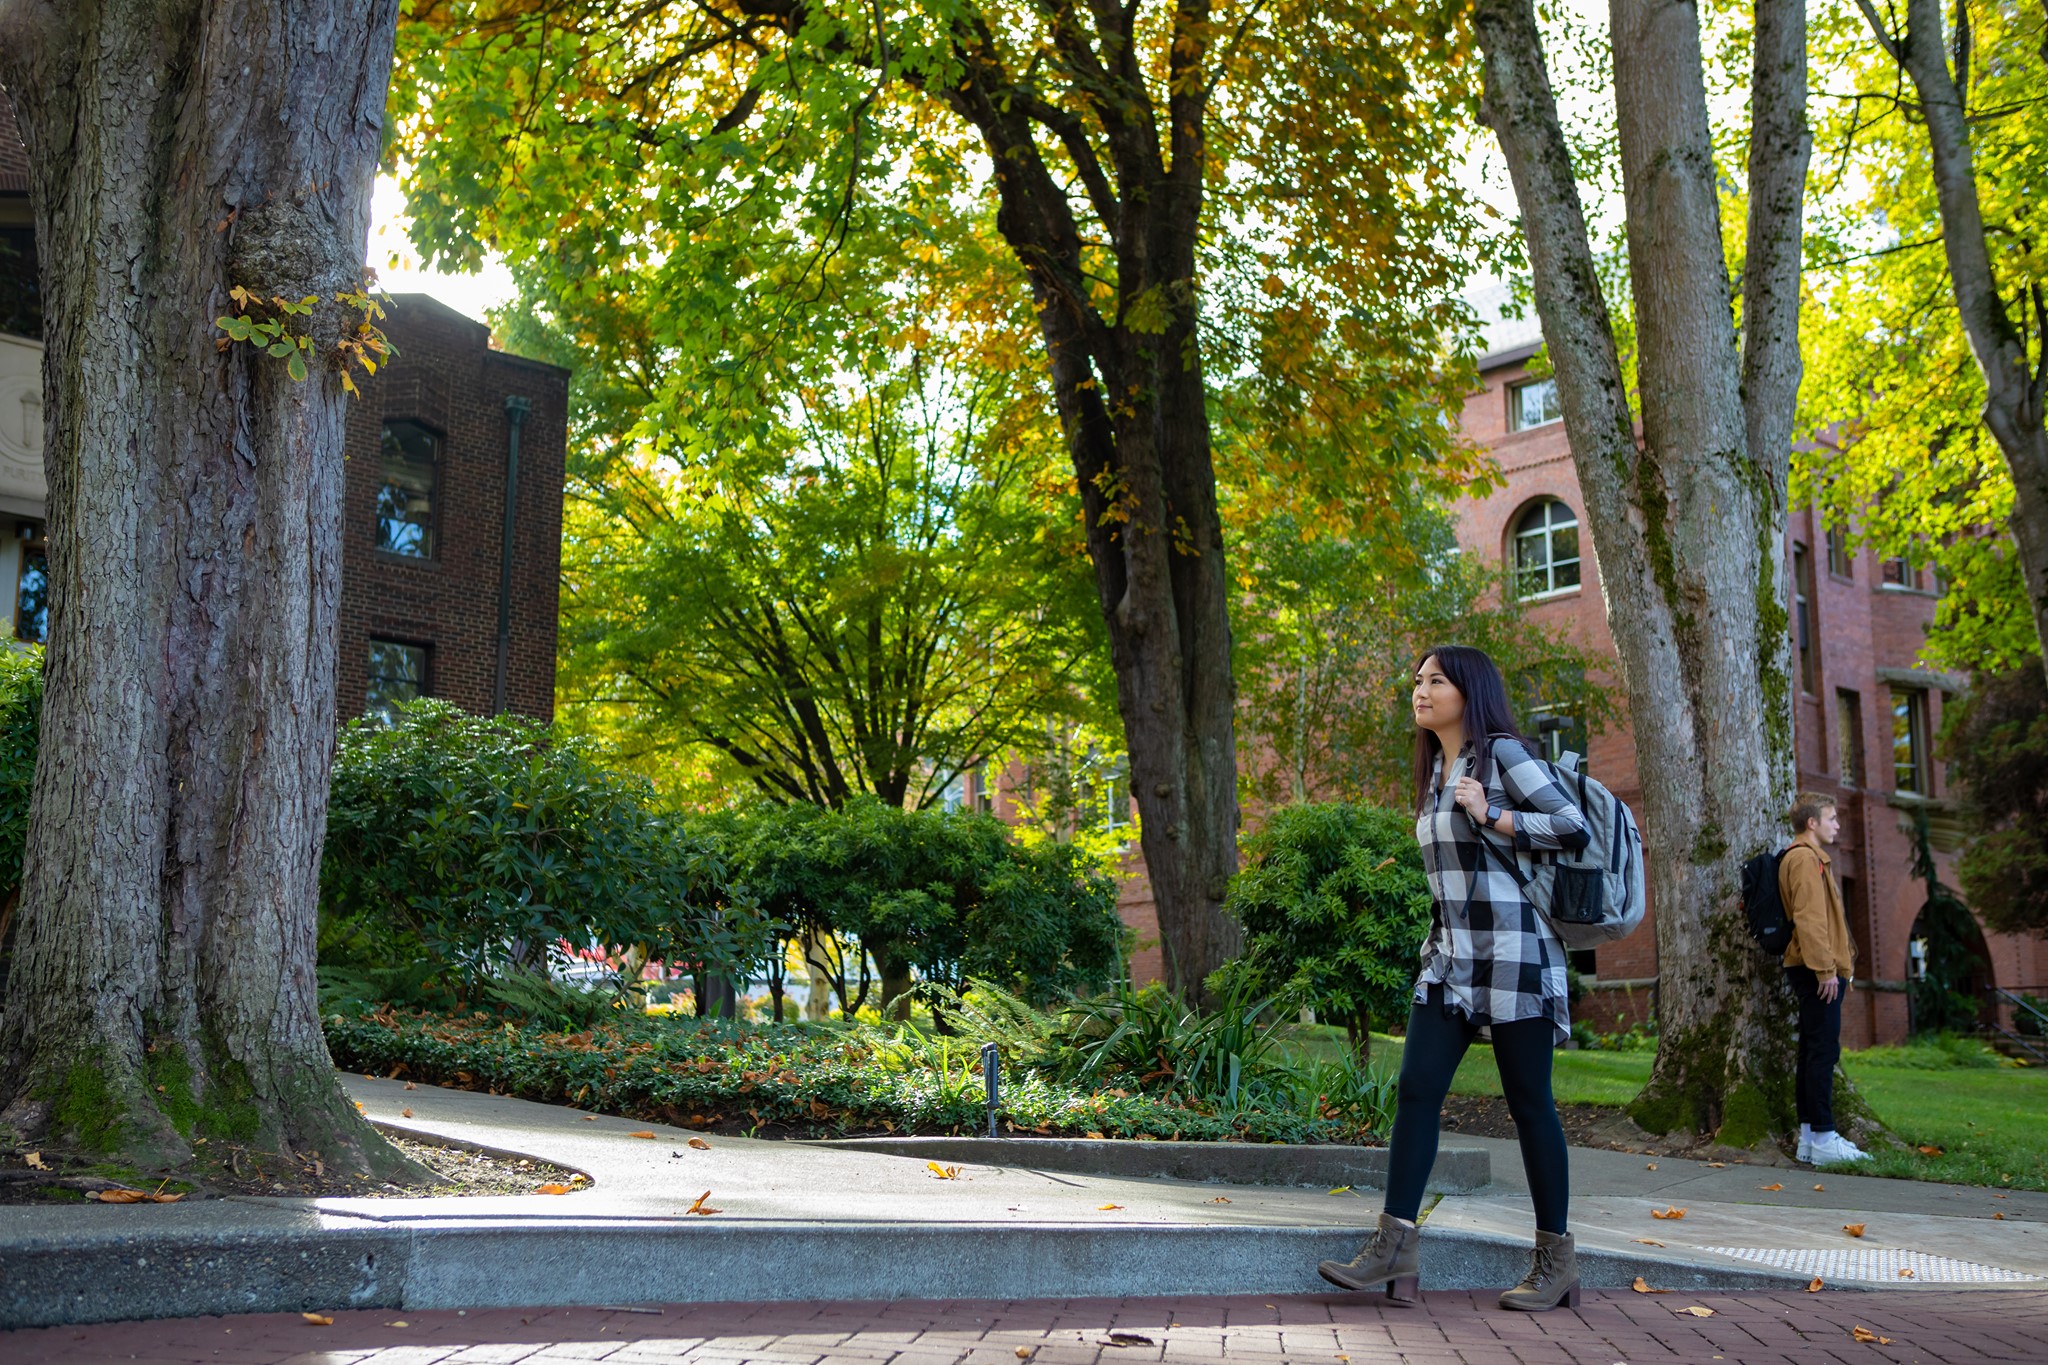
pixel 1820 1047
pixel 1435 1045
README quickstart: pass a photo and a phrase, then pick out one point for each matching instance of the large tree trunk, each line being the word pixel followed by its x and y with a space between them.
pixel 163 985
pixel 1131 399
pixel 2016 397
pixel 1688 519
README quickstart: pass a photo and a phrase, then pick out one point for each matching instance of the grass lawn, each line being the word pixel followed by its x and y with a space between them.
pixel 1987 1118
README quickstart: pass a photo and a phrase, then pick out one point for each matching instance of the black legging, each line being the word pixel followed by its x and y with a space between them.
pixel 1436 1044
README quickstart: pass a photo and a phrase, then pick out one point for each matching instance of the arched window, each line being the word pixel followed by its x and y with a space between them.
pixel 1546 550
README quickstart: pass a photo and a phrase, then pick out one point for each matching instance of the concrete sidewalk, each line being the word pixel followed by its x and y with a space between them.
pixel 812 1221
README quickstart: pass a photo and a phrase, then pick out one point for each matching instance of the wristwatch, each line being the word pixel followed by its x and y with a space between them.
pixel 1493 814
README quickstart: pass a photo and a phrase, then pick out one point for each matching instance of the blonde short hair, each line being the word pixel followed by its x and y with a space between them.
pixel 1808 806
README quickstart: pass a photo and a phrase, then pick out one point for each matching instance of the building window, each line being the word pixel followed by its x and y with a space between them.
pixel 1802 619
pixel 32 597
pixel 405 495
pixel 1849 736
pixel 1901 573
pixel 21 306
pixel 1909 741
pixel 1546 550
pixel 1841 564
pixel 1533 404
pixel 398 674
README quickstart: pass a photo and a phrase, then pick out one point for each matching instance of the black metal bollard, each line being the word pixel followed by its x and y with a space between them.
pixel 991 1076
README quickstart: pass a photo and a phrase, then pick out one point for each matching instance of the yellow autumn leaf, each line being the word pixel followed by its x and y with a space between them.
pixel 405 1113
pixel 1815 1287
pixel 120 1196
pixel 1853 1229
pixel 1771 1187
pixel 643 1133
pixel 1105 1207
pixel 1667 1212
pixel 942 1172
pixel 700 1144
pixel 1697 1311
pixel 1864 1334
pixel 552 1189
pixel 1642 1286
pixel 35 1162
pixel 701 1207
pixel 317 1319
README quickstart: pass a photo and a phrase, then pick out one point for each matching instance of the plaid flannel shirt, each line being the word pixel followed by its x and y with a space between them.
pixel 1496 957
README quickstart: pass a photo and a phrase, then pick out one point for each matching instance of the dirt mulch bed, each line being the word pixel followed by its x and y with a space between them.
pixel 454 1171
pixel 1596 1125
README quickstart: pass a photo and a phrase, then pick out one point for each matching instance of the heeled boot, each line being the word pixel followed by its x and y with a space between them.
pixel 1553 1276
pixel 1392 1258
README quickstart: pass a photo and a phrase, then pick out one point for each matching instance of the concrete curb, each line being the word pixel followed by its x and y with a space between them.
pixel 1458 1170
pixel 46 1281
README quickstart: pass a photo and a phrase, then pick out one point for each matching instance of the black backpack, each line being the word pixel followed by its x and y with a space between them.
pixel 1760 903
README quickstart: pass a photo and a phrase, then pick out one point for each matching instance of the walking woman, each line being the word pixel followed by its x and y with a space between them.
pixel 1491 961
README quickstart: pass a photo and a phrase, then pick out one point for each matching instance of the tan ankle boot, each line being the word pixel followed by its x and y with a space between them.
pixel 1553 1276
pixel 1392 1258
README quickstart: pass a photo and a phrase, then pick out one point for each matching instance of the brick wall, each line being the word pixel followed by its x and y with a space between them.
pixel 447 378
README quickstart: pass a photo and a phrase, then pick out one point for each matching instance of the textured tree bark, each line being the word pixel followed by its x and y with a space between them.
pixel 1131 399
pixel 1688 518
pixel 2016 398
pixel 163 985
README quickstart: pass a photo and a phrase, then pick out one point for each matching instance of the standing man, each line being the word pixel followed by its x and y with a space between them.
pixel 1819 965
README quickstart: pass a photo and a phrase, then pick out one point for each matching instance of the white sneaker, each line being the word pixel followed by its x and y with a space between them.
pixel 1805 1153
pixel 1831 1149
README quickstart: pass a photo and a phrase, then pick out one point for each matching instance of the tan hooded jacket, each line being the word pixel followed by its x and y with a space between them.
pixel 1813 902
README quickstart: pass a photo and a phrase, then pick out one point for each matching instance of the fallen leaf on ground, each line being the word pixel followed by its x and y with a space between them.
pixel 1642 1286
pixel 359 1106
pixel 643 1133
pixel 1095 1135
pixel 1668 1213
pixel 552 1189
pixel 942 1172
pixel 405 1113
pixel 1814 1288
pixel 1126 1339
pixel 1698 1312
pixel 1930 1151
pixel 1649 1165
pixel 317 1319
pixel 1905 1272
pixel 35 1162
pixel 400 1323
pixel 1717 1165
pixel 1103 1208
pixel 1862 1333
pixel 1998 1196
pixel 1999 1216
pixel 1853 1229
pixel 578 1178
pixel 1771 1187
pixel 1341 1189
pixel 1647 1241
pixel 1023 1353
pixel 701 1207
pixel 700 1144
pixel 119 1196
pixel 410 1086
pixel 161 1198
pixel 1820 1187
pixel 1221 1199
pixel 590 1118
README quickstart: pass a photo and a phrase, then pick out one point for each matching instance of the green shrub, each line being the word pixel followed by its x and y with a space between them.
pixel 462 852
pixel 1932 1052
pixel 949 895
pixel 1335 906
pixel 21 714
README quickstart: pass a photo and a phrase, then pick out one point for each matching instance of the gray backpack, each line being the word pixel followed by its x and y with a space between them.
pixel 1596 895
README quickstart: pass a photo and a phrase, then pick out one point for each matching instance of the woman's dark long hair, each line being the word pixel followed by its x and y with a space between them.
pixel 1487 715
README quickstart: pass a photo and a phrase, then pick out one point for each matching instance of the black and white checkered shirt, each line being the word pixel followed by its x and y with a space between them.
pixel 1496 957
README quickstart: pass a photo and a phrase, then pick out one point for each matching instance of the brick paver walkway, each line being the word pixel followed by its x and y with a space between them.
pixel 1449 1328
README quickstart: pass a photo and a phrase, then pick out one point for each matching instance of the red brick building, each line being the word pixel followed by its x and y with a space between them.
pixel 1864 722
pixel 448 589
pixel 453 523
